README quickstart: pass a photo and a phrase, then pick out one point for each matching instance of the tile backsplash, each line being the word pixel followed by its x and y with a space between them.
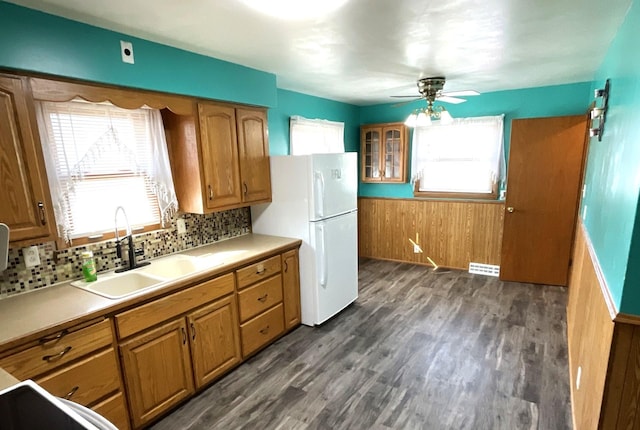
pixel 63 265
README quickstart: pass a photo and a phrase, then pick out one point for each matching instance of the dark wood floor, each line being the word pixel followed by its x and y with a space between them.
pixel 418 350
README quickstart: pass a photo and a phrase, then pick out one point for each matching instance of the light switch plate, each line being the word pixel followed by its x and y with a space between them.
pixel 31 256
pixel 182 226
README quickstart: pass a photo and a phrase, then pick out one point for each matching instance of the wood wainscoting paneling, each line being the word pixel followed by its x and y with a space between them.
pixel 452 233
pixel 604 348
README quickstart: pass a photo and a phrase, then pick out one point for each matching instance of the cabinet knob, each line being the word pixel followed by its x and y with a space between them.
pixel 510 209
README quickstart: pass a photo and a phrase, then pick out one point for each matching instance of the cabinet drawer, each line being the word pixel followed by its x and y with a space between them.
pixel 258 271
pixel 260 297
pixel 262 329
pixel 114 410
pixel 86 381
pixel 57 349
pixel 145 316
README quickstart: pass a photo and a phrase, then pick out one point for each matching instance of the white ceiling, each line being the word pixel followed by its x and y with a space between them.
pixel 367 50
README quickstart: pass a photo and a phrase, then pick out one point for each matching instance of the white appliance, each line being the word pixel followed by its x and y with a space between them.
pixel 314 198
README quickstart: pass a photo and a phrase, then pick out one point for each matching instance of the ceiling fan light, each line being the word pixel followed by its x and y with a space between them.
pixel 423 119
pixel 411 120
pixel 445 117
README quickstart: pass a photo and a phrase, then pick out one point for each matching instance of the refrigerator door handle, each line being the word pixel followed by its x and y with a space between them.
pixel 319 194
pixel 324 270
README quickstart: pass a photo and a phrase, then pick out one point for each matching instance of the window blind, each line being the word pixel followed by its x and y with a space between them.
pixel 98 157
pixel 315 136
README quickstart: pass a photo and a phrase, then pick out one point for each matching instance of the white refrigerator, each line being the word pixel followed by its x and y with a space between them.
pixel 314 198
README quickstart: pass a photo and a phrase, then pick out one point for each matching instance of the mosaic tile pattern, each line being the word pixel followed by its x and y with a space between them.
pixel 63 265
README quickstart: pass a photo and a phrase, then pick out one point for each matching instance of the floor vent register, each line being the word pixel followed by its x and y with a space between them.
pixel 484 269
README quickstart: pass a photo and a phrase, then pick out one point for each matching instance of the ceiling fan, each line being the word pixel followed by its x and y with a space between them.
pixel 431 89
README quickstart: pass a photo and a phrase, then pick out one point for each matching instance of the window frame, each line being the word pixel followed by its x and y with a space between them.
pixel 465 195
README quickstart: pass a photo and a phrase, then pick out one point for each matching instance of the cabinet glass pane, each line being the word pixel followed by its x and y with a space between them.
pixel 372 154
pixel 392 154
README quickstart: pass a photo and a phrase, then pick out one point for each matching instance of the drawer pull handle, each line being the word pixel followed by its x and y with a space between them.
pixel 59 336
pixel 71 393
pixel 263 298
pixel 265 330
pixel 260 269
pixel 184 336
pixel 193 331
pixel 57 356
pixel 43 218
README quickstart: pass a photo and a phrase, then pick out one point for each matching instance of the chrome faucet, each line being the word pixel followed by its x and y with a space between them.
pixel 132 264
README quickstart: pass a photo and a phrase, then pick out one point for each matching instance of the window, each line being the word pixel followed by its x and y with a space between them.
pixel 99 157
pixel 315 136
pixel 461 159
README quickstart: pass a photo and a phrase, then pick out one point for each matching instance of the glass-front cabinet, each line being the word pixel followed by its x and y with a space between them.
pixel 384 152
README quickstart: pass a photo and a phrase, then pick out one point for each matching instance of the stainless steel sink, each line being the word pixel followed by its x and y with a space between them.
pixel 118 285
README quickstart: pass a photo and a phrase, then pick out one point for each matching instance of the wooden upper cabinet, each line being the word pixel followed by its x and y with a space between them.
pixel 384 152
pixel 219 159
pixel 219 155
pixel 253 146
pixel 26 202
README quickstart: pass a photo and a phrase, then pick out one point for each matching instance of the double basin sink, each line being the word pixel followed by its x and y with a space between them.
pixel 160 272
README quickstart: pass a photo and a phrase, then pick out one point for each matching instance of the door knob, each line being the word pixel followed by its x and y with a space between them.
pixel 510 209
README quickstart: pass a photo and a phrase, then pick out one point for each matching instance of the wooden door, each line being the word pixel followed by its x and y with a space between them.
pixel 544 177
pixel 291 288
pixel 253 146
pixel 157 370
pixel 219 156
pixel 26 202
pixel 215 339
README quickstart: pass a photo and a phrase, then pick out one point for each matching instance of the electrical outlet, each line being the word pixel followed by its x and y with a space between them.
pixel 126 49
pixel 31 256
pixel 182 226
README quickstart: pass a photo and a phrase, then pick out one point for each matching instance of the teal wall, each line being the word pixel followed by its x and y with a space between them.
pixel 291 104
pixel 613 170
pixel 571 99
pixel 38 42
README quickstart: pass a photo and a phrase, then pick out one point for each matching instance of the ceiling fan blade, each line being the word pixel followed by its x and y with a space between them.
pixel 463 93
pixel 402 97
pixel 405 102
pixel 448 99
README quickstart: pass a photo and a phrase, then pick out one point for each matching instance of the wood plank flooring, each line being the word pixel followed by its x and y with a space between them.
pixel 418 350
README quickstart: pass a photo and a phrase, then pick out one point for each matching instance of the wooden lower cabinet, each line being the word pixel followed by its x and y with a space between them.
pixel 157 370
pixel 291 289
pixel 114 410
pixel 215 342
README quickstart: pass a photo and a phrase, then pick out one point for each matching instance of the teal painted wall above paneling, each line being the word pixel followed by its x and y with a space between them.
pixel 39 42
pixel 291 103
pixel 558 100
pixel 613 173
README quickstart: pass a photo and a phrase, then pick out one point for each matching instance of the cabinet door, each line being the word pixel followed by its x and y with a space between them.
pixel 371 152
pixel 394 154
pixel 291 288
pixel 157 370
pixel 215 339
pixel 254 155
pixel 219 152
pixel 26 202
